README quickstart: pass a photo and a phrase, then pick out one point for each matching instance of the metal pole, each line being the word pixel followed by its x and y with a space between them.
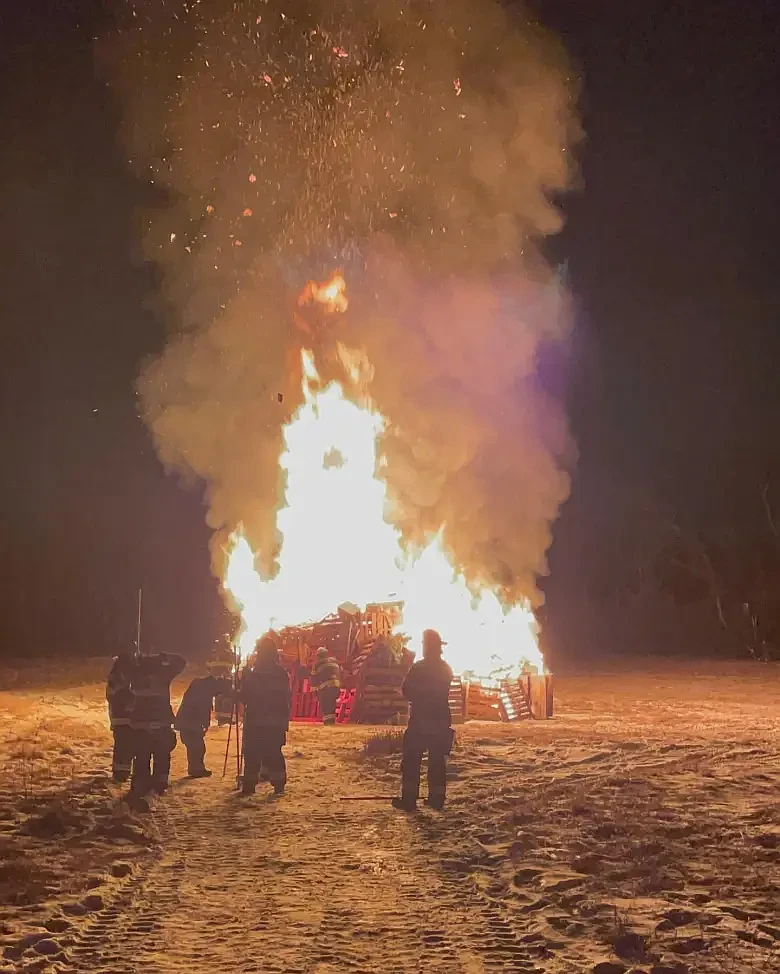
pixel 235 711
pixel 230 731
pixel 239 754
pixel 138 628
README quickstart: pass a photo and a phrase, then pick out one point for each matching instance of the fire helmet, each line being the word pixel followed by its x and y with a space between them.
pixel 266 648
pixel 432 642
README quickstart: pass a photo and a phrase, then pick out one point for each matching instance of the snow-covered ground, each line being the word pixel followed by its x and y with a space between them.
pixel 637 831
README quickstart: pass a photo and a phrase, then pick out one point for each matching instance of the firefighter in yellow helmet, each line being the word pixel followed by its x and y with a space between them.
pixel 326 681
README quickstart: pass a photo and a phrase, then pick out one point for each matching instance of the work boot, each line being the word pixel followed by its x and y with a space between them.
pixel 200 773
pixel 404 805
pixel 137 802
pixel 249 783
pixel 437 804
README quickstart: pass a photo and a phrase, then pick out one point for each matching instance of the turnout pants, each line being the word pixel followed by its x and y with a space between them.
pixel 263 755
pixel 438 744
pixel 152 765
pixel 328 697
pixel 194 739
pixel 124 749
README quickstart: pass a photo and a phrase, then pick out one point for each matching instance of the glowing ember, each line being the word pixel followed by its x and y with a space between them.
pixel 337 546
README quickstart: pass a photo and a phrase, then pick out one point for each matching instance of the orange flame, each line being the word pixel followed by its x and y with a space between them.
pixel 337 546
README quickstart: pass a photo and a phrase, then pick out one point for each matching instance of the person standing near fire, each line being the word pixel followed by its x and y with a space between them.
pixel 427 688
pixel 119 697
pixel 223 666
pixel 265 693
pixel 194 719
pixel 325 680
pixel 151 720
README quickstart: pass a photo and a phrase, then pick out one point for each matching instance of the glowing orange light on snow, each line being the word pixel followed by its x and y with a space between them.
pixel 337 546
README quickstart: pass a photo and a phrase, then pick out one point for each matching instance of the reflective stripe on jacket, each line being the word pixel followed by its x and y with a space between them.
pixel 326 674
pixel 118 691
pixel 151 685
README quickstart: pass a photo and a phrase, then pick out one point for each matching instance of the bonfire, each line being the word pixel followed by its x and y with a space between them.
pixel 338 546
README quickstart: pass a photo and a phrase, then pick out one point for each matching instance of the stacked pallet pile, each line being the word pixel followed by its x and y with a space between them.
pixel 378 697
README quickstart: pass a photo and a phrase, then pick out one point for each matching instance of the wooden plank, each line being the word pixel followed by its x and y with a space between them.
pixel 515 699
pixel 456 700
pixel 540 689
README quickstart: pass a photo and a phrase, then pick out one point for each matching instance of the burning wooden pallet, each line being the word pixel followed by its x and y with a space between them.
pixel 515 701
pixel 373 674
pixel 527 697
pixel 378 697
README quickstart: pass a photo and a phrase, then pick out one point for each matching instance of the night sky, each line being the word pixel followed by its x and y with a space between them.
pixel 672 258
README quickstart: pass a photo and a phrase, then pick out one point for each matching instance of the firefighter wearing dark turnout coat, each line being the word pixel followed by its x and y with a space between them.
pixel 151 720
pixel 326 682
pixel 265 693
pixel 120 704
pixel 194 718
pixel 427 688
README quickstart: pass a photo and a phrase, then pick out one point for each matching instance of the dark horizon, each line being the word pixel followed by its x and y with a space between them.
pixel 672 393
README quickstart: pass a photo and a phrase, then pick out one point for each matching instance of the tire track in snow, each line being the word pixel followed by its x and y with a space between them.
pixel 305 885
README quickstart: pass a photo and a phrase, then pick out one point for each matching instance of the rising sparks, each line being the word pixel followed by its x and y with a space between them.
pixel 427 155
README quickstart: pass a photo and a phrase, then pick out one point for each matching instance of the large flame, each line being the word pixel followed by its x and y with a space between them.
pixel 337 546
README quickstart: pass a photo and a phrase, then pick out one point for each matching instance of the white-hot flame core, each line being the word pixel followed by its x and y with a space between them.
pixel 337 546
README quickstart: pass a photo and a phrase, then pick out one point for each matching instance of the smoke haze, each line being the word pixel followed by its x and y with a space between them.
pixel 419 146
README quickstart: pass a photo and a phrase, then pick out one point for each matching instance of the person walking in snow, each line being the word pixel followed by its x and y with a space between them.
pixel 326 681
pixel 265 693
pixel 194 719
pixel 427 688
pixel 120 704
pixel 151 720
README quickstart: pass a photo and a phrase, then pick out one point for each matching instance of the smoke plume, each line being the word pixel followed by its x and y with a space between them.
pixel 419 145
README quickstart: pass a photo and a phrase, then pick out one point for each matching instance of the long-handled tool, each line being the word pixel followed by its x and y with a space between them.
pixel 239 749
pixel 367 798
pixel 235 713
pixel 138 622
pixel 230 732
